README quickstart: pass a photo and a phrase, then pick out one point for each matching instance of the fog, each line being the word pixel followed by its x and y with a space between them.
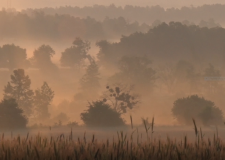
pixel 23 4
pixel 93 66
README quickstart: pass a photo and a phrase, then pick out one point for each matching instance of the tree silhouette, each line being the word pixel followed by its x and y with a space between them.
pixel 212 77
pixel 42 100
pixel 120 100
pixel 76 54
pixel 42 59
pixel 186 72
pixel 3 59
pixel 100 114
pixel 43 55
pixel 19 89
pixel 204 111
pixel 11 117
pixel 90 81
pixel 108 112
pixel 170 42
pixel 13 57
pixel 167 77
pixel 106 55
pixel 136 71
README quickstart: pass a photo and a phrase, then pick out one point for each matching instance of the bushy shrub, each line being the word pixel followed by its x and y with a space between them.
pixel 203 111
pixel 11 116
pixel 100 114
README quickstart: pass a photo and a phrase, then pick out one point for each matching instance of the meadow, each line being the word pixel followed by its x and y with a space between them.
pixel 131 142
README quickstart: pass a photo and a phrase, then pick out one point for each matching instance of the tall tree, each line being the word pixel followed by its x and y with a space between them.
pixel 90 81
pixel 42 100
pixel 76 54
pixel 19 89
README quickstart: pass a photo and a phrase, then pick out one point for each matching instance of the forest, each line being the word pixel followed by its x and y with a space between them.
pixel 169 60
pixel 65 23
pixel 147 14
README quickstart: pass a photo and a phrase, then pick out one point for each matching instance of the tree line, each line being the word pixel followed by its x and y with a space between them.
pixel 179 50
pixel 41 26
pixel 134 57
pixel 21 104
pixel 171 42
pixel 146 14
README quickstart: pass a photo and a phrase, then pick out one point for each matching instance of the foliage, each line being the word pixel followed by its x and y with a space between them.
pixel 11 116
pixel 170 42
pixel 19 89
pixel 120 99
pixel 42 55
pixel 212 77
pixel 186 72
pixel 184 69
pixel 204 111
pixel 100 114
pixel 76 54
pixel 61 27
pixel 90 81
pixel 136 71
pixel 211 71
pixel 42 100
pixel 192 14
pixel 42 59
pixel 12 56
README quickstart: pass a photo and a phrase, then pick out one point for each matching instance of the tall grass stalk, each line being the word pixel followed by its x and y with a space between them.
pixel 65 147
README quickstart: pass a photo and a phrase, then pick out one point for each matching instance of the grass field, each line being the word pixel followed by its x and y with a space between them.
pixel 136 142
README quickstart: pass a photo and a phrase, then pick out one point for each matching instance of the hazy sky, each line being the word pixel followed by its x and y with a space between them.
pixel 22 4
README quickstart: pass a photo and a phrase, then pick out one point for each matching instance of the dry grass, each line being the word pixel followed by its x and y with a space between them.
pixel 124 147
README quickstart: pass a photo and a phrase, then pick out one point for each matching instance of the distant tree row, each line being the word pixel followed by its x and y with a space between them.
pixel 171 42
pixel 132 69
pixel 20 104
pixel 168 42
pixel 12 56
pixel 141 14
pixel 39 26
